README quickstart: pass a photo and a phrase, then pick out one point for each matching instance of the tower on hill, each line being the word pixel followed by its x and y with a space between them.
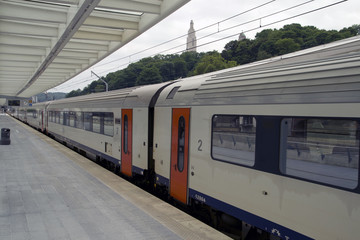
pixel 191 39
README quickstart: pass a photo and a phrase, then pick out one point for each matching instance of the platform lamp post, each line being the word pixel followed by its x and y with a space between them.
pixel 106 84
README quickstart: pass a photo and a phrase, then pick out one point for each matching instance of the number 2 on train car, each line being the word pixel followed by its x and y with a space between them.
pixel 179 153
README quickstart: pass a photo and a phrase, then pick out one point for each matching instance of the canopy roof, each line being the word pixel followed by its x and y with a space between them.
pixel 44 43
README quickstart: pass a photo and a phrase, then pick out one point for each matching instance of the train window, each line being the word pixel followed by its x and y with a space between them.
pixel 96 121
pixel 66 119
pixel 72 119
pixel 58 117
pixel 22 113
pixel 51 116
pixel 126 132
pixel 172 93
pixel 181 144
pixel 88 121
pixel 32 112
pixel 61 117
pixel 233 139
pixel 321 150
pixel 109 124
pixel 79 118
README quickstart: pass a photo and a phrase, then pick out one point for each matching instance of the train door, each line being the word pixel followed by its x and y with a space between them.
pixel 179 153
pixel 126 141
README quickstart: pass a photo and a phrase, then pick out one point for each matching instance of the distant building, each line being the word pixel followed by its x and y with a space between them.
pixel 242 36
pixel 191 39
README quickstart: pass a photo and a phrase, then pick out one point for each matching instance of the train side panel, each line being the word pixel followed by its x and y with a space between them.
pixel 140 140
pixel 286 206
pixel 36 116
pixel 162 144
pixel 116 148
pixel 102 145
pixel 33 117
pixel 276 143
pixel 22 114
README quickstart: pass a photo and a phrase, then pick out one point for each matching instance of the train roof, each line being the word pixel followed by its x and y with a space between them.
pixel 139 96
pixel 323 74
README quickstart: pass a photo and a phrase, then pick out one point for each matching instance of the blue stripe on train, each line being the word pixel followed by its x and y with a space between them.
pixel 259 222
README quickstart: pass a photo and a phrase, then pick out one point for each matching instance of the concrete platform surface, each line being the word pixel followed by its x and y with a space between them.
pixel 50 192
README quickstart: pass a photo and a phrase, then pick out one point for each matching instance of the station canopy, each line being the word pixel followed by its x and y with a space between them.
pixel 44 43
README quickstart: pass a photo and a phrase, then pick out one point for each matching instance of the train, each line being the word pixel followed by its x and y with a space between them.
pixel 273 144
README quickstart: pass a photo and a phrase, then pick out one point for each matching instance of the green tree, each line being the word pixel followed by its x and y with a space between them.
pixel 212 61
pixel 115 80
pixel 180 68
pixel 263 55
pixel 230 50
pixel 268 47
pixel 191 59
pixel 131 74
pixel 99 88
pixel 74 93
pixel 321 37
pixel 149 76
pixel 350 31
pixel 244 52
pixel 286 45
pixel 274 42
pixel 167 71
pixel 91 87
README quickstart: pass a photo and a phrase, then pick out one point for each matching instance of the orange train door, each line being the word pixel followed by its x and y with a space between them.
pixel 126 141
pixel 179 153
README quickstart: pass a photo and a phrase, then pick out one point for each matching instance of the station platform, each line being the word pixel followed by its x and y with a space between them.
pixel 48 191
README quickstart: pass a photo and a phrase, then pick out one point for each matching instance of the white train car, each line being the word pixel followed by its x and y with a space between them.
pixel 273 143
pixel 111 125
pixel 20 113
pixel 36 116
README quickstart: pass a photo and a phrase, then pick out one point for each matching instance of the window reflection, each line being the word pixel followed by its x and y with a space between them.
pixel 181 143
pixel 126 133
pixel 233 139
pixel 322 150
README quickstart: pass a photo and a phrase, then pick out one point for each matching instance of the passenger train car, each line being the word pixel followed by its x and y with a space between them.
pixel 273 143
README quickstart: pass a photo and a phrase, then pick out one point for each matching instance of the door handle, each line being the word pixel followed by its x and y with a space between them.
pixel 175 167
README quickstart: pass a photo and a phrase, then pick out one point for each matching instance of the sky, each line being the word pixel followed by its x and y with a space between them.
pixel 221 19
